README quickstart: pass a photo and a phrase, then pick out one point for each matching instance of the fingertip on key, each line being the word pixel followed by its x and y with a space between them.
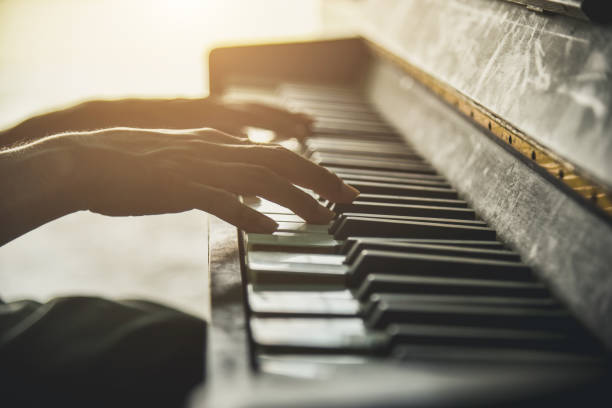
pixel 265 225
pixel 322 216
pixel 348 193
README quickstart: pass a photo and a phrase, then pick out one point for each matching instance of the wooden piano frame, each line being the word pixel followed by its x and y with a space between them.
pixel 519 187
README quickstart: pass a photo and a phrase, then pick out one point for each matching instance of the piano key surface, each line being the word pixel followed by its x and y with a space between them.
pixel 406 272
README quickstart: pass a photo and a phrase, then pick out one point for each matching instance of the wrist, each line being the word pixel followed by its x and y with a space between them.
pixel 38 184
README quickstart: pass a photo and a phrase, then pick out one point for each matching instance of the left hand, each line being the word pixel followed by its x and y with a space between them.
pixel 181 113
pixel 186 113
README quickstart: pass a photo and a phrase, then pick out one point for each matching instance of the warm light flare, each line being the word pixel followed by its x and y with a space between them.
pixel 55 53
pixel 258 135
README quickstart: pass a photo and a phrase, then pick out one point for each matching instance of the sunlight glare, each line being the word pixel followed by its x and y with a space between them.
pixel 259 135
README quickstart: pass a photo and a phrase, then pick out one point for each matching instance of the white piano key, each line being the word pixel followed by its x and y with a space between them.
pixel 288 257
pixel 329 334
pixel 271 273
pixel 323 303
pixel 293 241
pixel 303 227
pixel 265 206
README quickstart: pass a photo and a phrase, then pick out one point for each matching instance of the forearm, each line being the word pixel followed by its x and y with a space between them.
pixel 36 187
pixel 101 114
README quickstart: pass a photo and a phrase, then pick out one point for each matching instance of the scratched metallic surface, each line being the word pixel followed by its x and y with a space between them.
pixel 550 76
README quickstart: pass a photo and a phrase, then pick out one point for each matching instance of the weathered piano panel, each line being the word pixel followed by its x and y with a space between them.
pixel 548 75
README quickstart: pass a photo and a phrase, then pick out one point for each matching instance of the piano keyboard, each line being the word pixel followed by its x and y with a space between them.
pixel 408 271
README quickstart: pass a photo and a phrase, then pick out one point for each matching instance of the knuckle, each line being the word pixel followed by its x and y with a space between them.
pixel 329 176
pixel 219 200
pixel 313 205
pixel 274 153
pixel 282 152
pixel 259 174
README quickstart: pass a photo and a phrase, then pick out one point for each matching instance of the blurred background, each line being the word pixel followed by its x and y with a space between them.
pixel 57 53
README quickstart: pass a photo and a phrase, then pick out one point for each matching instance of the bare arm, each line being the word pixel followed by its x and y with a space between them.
pixel 124 171
pixel 35 187
pixel 181 113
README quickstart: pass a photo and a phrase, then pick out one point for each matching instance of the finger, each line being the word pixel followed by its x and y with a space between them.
pixel 285 123
pixel 246 179
pixel 260 181
pixel 283 162
pixel 301 171
pixel 227 207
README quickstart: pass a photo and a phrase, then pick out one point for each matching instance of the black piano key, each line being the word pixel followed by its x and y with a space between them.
pixel 354 107
pixel 436 202
pixel 412 353
pixel 434 249
pixel 350 118
pixel 386 173
pixel 467 300
pixel 359 154
pixel 337 223
pixel 341 114
pixel 453 221
pixel 359 206
pixel 339 98
pixel 363 150
pixel 333 139
pixel 353 135
pixel 365 132
pixel 388 262
pixel 322 140
pixel 350 242
pixel 348 163
pixel 386 313
pixel 413 190
pixel 355 122
pixel 384 283
pixel 353 178
pixel 367 158
pixel 382 227
pixel 479 337
pixel 390 150
pixel 353 125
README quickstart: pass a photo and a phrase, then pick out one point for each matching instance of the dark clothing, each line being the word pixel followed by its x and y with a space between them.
pixel 89 351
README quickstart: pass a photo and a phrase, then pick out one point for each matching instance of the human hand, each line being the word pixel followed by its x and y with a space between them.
pixel 285 124
pixel 231 117
pixel 181 113
pixel 123 171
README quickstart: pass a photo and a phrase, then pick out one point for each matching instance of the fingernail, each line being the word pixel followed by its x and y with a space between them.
pixel 349 192
pixel 266 225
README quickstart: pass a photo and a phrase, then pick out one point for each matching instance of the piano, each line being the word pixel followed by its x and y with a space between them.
pixel 474 269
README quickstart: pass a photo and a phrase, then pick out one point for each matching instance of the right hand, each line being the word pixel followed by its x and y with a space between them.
pixel 125 171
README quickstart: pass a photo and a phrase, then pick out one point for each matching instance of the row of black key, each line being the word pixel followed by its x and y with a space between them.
pixel 415 265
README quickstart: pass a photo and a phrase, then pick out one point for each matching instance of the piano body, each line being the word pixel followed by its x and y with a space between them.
pixel 474 268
